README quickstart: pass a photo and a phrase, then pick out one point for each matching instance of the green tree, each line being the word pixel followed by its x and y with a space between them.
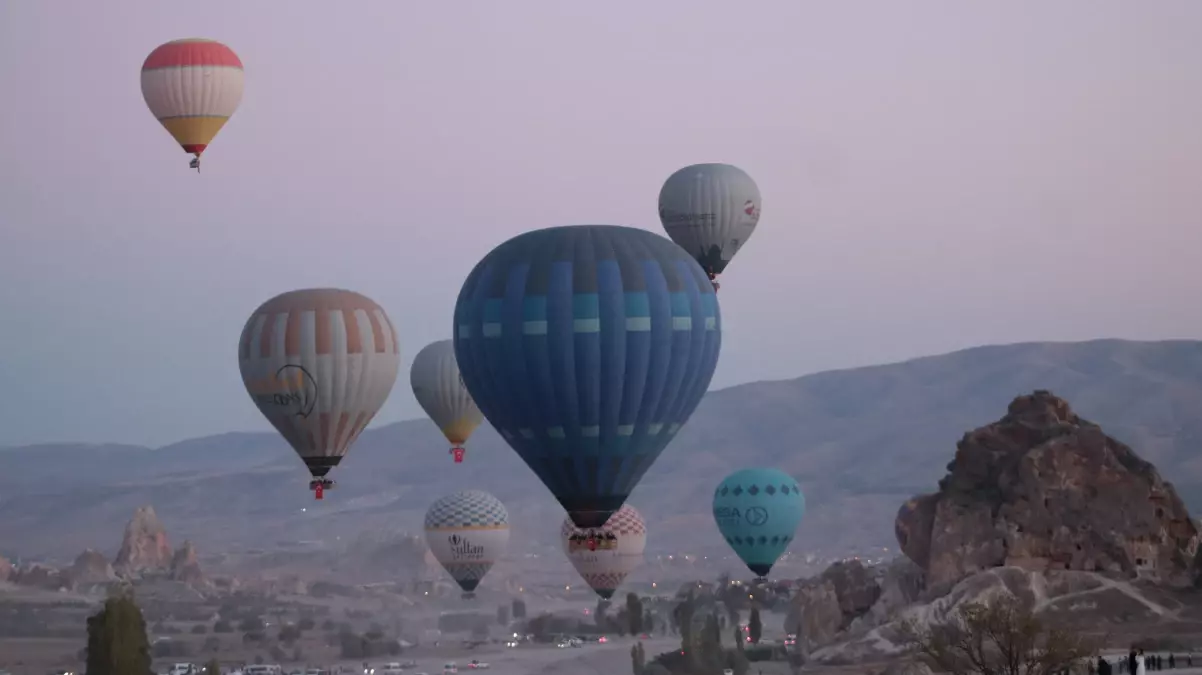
pixel 212 667
pixel 638 660
pixel 519 609
pixel 634 613
pixel 755 628
pixel 117 643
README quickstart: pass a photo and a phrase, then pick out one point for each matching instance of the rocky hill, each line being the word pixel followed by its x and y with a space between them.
pixel 1045 489
pixel 860 441
pixel 1042 505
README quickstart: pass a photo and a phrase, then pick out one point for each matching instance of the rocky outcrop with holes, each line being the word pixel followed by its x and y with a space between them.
pixel 1043 489
pixel 144 547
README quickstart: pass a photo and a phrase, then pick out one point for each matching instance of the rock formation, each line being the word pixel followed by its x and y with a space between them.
pixel 41 576
pixel 144 547
pixel 1043 489
pixel 184 565
pixel 848 598
pixel 91 567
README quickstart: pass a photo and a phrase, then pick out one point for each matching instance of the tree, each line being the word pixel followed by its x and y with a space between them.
pixel 638 659
pixel 711 656
pixel 519 609
pixel 117 643
pixel 223 626
pixel 502 615
pixel 682 618
pixel 212 667
pixel 289 633
pixel 251 624
pixel 634 613
pixel 755 628
pixel 1003 637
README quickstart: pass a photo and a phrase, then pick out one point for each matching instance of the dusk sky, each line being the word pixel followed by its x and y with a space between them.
pixel 935 175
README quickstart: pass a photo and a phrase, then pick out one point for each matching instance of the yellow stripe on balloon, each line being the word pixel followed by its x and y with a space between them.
pixel 460 430
pixel 194 130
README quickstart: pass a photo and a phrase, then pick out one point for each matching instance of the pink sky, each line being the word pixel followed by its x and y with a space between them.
pixel 935 175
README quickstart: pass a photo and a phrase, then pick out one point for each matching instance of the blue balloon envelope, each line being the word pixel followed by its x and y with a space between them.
pixel 587 347
pixel 758 511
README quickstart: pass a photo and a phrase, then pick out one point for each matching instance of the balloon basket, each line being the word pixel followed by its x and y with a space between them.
pixel 468 596
pixel 319 487
pixel 457 453
pixel 714 280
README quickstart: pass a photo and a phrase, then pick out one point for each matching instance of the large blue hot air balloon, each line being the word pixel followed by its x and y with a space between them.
pixel 587 347
pixel 758 511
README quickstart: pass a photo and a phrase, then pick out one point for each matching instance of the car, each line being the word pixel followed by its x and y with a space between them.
pixel 478 665
pixel 390 669
pixel 563 643
pixel 511 644
pixel 602 640
pixel 184 669
pixel 450 669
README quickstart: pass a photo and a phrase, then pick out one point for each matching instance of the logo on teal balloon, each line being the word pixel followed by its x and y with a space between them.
pixel 756 516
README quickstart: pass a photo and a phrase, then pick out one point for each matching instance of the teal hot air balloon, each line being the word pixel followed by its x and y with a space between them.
pixel 758 511
pixel 587 347
pixel 711 210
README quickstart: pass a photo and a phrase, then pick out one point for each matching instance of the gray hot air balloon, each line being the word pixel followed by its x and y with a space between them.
pixel 710 210
pixel 439 389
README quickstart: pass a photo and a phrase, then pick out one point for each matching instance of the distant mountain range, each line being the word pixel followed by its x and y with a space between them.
pixel 861 441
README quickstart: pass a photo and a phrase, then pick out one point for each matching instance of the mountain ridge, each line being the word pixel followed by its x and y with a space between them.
pixel 860 440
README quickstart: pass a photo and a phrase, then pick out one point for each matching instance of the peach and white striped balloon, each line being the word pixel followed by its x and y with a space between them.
pixel 319 364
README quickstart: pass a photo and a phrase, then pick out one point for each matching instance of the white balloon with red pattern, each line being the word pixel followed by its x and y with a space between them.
pixel 605 556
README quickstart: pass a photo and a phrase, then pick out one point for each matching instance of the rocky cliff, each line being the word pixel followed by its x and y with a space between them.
pixel 184 565
pixel 91 567
pixel 1043 489
pixel 144 548
pixel 849 598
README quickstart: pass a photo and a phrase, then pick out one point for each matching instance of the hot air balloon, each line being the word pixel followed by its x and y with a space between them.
pixel 587 347
pixel 604 556
pixel 440 392
pixel 193 87
pixel 319 363
pixel 758 511
pixel 711 211
pixel 467 532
